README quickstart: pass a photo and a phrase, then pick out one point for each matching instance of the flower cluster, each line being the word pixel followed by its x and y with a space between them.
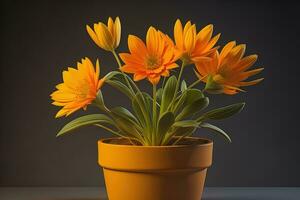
pixel 178 103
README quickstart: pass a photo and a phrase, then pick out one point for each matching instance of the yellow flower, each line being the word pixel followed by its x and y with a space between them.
pixel 79 88
pixel 151 60
pixel 106 37
pixel 192 45
pixel 227 71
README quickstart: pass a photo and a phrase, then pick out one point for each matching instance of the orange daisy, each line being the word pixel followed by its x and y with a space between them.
pixel 79 88
pixel 194 46
pixel 151 60
pixel 226 72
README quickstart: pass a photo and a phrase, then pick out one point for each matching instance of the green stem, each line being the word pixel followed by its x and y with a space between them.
pixel 178 81
pixel 182 137
pixel 101 107
pixel 110 130
pixel 177 84
pixel 120 65
pixel 179 77
pixel 118 134
pixel 163 83
pixel 195 83
pixel 154 113
pixel 117 58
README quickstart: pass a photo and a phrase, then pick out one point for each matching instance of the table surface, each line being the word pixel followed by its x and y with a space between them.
pixel 98 193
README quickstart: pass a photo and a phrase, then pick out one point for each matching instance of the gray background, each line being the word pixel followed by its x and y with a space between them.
pixel 39 40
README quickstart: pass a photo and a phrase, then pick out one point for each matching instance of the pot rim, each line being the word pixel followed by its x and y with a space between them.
pixel 194 156
pixel 105 141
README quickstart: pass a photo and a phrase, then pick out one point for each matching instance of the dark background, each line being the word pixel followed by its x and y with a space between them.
pixel 40 39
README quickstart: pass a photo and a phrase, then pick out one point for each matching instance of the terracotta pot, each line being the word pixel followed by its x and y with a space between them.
pixel 155 172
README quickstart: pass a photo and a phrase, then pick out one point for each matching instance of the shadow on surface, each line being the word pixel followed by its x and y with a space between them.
pixel 229 198
pixel 208 198
pixel 101 198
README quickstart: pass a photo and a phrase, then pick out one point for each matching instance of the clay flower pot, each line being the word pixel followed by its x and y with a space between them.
pixel 155 172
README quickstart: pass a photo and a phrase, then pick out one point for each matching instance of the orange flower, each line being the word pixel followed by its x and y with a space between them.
pixel 194 46
pixel 106 37
pixel 79 88
pixel 151 60
pixel 226 71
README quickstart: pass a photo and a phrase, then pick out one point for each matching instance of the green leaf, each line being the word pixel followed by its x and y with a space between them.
pixel 111 74
pixel 183 86
pixel 216 129
pixel 124 79
pixel 138 104
pixel 186 123
pixel 178 131
pixel 193 95
pixel 126 121
pixel 222 113
pixel 85 121
pixel 180 102
pixel 193 108
pixel 138 112
pixel 181 128
pixel 168 93
pixel 186 131
pixel 165 122
pixel 121 87
pixel 99 101
pixel 148 101
pixel 159 95
pixel 186 98
pixel 124 113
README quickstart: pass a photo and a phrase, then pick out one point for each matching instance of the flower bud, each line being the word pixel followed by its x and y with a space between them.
pixel 106 37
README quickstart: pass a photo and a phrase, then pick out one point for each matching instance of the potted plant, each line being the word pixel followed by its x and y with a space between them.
pixel 155 156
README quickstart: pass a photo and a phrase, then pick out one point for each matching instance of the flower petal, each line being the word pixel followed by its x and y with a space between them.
pixel 190 39
pixel 186 28
pixel 117 31
pixel 226 49
pixel 138 77
pixel 104 36
pixel 111 27
pixel 247 74
pixel 178 34
pixel 251 82
pixel 128 68
pixel 246 63
pixel 93 35
pixel 154 80
pixel 137 47
pixel 152 40
pixel 212 42
pixel 204 35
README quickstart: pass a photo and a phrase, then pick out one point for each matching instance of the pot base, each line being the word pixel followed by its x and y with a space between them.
pixel 171 185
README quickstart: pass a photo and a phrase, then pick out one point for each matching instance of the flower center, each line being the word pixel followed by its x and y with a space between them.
pixel 81 90
pixel 152 62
